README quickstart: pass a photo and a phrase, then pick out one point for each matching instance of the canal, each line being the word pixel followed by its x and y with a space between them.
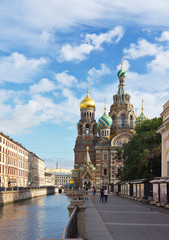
pixel 34 219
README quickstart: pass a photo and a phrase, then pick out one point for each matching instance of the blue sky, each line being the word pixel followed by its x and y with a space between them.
pixel 48 51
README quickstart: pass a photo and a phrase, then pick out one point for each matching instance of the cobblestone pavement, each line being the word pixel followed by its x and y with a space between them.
pixel 127 219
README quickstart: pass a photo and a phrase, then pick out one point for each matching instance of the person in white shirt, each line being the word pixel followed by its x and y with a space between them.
pixel 105 194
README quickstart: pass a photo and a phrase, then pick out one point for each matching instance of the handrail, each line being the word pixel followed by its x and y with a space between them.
pixel 70 229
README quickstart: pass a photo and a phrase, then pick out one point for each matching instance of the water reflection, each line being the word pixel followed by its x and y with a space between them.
pixel 38 218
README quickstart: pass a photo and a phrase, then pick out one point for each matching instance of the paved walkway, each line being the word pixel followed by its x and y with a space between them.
pixel 125 219
pixel 95 227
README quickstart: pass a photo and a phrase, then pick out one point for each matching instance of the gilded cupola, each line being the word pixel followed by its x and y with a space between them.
pixel 87 102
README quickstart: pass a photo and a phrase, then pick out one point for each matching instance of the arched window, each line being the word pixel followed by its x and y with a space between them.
pixel 87 129
pixel 114 120
pixel 102 132
pixel 131 121
pixel 122 120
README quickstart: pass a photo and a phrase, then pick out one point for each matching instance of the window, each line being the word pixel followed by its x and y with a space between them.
pixel 131 121
pixel 87 129
pixel 122 120
pixel 105 171
pixel 114 120
pixel 105 157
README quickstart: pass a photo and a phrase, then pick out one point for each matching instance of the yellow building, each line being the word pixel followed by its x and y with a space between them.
pixel 49 179
pixel 164 130
pixel 60 170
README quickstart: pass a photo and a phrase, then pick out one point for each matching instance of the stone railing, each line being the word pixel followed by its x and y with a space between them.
pixel 70 230
pixel 75 226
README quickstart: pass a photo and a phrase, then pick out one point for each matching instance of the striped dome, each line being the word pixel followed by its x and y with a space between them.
pixel 105 120
pixel 122 73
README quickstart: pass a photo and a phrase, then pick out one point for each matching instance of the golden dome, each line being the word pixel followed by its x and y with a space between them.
pixel 71 182
pixel 87 102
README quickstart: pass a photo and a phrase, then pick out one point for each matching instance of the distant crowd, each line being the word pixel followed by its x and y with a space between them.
pixel 103 193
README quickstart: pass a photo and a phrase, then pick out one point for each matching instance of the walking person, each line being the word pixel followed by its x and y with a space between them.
pixel 102 194
pixel 86 192
pixel 94 192
pixel 105 194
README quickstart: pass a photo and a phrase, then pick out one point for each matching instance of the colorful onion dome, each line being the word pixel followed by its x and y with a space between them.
pixel 105 120
pixel 142 116
pixel 87 102
pixel 121 72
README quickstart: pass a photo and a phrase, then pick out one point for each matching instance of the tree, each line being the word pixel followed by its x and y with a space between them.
pixel 142 154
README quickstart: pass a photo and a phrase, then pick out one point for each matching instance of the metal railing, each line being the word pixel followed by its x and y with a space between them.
pixel 70 230
pixel 15 188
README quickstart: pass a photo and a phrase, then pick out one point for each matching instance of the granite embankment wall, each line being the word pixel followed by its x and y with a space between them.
pixel 19 195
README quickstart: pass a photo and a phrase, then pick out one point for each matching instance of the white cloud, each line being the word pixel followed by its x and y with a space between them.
pixel 160 63
pixel 90 43
pixel 44 85
pixel 126 65
pixel 18 117
pixel 164 36
pixel 64 79
pixel 95 74
pixel 112 36
pixel 18 69
pixel 141 49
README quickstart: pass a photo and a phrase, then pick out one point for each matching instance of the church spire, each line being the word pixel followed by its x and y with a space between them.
pixel 142 109
pixel 121 75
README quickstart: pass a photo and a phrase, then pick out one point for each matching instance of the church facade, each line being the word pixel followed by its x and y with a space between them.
pixel 100 140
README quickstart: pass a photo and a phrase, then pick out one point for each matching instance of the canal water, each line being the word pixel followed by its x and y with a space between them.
pixel 34 219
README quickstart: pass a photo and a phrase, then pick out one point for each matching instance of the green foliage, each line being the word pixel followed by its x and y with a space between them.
pixel 142 154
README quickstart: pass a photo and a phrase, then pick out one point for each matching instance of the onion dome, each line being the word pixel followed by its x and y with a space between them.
pixel 71 182
pixel 121 72
pixel 87 102
pixel 105 120
pixel 141 118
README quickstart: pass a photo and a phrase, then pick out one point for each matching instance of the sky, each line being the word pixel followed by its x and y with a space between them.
pixel 48 51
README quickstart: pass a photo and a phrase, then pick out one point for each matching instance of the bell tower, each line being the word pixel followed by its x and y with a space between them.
pixel 121 111
pixel 86 131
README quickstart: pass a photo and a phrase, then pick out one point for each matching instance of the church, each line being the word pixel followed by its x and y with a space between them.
pixel 96 144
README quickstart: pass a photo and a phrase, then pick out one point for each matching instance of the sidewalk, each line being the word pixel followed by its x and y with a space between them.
pixel 125 219
pixel 95 227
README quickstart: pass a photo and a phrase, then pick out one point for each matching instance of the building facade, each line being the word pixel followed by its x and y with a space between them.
pixel 164 130
pixel 14 167
pixel 62 179
pixel 37 173
pixel 102 139
pixel 49 179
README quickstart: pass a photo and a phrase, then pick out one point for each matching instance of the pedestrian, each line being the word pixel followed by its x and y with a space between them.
pixel 86 192
pixel 102 194
pixel 94 192
pixel 105 194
